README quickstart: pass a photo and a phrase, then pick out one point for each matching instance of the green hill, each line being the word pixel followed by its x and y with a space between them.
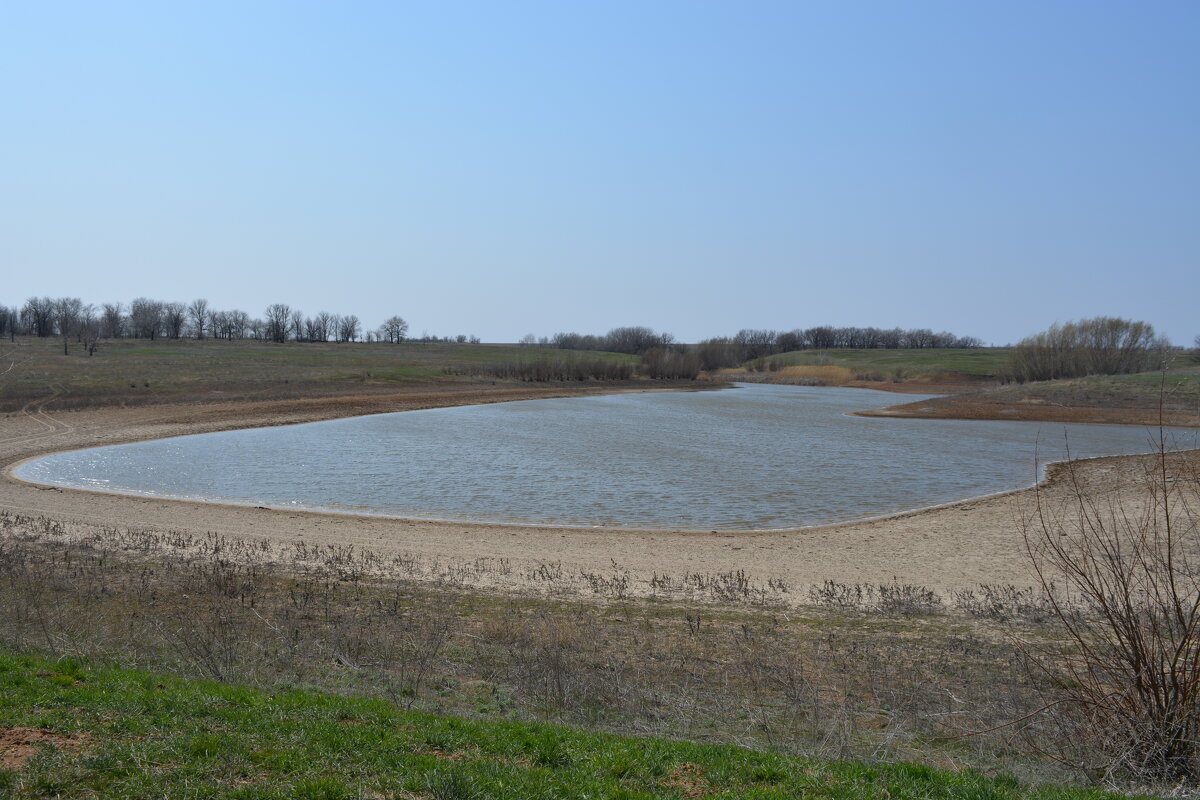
pixel 74 730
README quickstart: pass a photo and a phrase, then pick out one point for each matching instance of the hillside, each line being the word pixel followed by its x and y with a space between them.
pixel 71 730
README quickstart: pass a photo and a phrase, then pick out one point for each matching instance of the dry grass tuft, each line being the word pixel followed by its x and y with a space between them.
pixel 794 375
pixel 827 375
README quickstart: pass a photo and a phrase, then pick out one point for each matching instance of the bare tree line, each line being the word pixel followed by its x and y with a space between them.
pixel 146 318
pixel 632 340
pixel 748 343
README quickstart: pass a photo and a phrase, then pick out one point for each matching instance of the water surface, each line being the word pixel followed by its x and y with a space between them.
pixel 753 457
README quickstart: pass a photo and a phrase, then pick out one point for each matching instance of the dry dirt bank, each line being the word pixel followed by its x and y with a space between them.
pixel 967 406
pixel 972 542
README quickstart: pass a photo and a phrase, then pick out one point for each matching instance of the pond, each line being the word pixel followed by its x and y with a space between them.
pixel 756 456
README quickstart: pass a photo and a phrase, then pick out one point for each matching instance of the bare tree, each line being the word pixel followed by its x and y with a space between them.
pixel 821 337
pixel 756 343
pixel 635 340
pixel 277 320
pixel 112 321
pixel 199 315
pixel 67 313
pixel 892 339
pixel 8 323
pixel 296 324
pixel 394 329
pixel 348 328
pixel 668 362
pixel 237 323
pixel 174 319
pixel 145 317
pixel 37 315
pixel 89 329
pixel 218 325
pixel 327 325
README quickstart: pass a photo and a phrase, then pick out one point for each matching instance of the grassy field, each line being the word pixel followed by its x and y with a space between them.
pixel 973 381
pixel 1179 387
pixel 135 371
pixel 975 364
pixel 71 729
pixel 877 364
pixel 1171 397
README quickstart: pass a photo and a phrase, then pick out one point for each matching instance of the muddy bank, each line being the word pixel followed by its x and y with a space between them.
pixel 960 406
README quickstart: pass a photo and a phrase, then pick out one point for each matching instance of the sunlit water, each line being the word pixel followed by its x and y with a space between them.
pixel 753 457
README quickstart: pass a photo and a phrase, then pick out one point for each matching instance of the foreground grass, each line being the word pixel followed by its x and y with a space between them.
pixel 129 734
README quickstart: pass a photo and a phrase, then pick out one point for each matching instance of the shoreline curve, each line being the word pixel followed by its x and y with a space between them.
pixel 945 546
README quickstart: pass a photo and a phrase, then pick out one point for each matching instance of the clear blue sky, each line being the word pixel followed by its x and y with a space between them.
pixel 501 168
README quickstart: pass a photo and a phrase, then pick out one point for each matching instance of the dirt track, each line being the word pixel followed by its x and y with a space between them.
pixel 964 544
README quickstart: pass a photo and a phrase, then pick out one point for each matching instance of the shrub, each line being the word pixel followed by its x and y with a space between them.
pixel 663 363
pixel 1097 346
pixel 562 369
pixel 1127 681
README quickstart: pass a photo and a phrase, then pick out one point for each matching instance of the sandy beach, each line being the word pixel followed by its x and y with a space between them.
pixel 944 548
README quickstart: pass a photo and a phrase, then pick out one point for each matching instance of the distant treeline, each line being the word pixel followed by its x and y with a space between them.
pixel 664 358
pixel 144 318
pixel 633 340
pixel 749 344
pixel 1097 346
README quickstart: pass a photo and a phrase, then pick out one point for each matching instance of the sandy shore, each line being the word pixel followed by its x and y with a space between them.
pixel 960 545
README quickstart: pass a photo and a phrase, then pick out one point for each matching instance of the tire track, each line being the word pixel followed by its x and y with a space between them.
pixel 35 411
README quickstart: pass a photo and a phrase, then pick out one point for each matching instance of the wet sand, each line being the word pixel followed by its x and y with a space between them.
pixel 944 548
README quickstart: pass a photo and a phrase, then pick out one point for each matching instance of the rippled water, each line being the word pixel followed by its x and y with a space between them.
pixel 756 456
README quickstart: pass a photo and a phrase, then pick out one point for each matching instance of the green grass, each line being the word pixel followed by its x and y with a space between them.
pixel 1178 389
pixel 139 735
pixel 138 371
pixel 976 363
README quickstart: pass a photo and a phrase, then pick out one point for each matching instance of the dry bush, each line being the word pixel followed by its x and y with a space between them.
pixel 1121 573
pixel 828 375
pixel 1097 346
pixel 558 368
pixel 792 375
pixel 893 598
pixel 670 363
pixel 1004 602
